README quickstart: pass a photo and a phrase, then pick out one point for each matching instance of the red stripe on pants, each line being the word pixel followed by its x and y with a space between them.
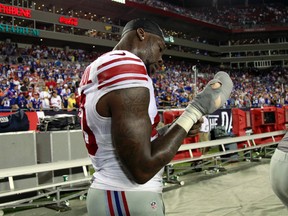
pixel 110 204
pixel 125 203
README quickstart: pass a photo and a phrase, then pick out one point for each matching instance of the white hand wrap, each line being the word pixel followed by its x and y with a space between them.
pixel 188 118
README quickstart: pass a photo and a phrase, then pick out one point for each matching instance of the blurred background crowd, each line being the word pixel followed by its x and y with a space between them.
pixel 48 78
pixel 39 77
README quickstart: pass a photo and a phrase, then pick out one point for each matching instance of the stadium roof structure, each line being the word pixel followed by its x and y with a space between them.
pixel 94 31
pixel 126 12
pixel 168 20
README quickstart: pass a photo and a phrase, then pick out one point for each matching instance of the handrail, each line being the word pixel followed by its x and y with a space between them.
pixel 42 187
pixel 230 140
pixel 264 140
pixel 37 168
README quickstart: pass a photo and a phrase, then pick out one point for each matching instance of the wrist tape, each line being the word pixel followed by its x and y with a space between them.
pixel 188 118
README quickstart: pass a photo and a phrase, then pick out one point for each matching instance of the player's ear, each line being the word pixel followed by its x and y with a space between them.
pixel 140 34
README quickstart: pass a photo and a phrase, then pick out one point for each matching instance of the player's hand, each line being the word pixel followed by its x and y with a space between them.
pixel 195 128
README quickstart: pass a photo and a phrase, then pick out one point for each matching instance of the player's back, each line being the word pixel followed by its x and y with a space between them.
pixel 111 71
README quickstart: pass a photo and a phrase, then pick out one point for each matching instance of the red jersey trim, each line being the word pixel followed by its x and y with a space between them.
pixel 120 80
pixel 118 60
pixel 120 69
pixel 154 131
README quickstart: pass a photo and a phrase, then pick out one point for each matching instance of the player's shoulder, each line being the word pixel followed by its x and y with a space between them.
pixel 118 55
pixel 115 68
pixel 114 58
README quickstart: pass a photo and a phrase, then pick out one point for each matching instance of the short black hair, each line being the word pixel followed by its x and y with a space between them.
pixel 147 24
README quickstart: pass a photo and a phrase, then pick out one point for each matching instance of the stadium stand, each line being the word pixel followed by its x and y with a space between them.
pixel 45 47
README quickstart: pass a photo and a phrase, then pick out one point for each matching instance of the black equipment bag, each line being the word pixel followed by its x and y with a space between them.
pixel 17 121
pixel 59 122
pixel 218 132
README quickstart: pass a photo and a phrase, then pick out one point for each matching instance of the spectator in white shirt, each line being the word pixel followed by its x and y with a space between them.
pixel 56 101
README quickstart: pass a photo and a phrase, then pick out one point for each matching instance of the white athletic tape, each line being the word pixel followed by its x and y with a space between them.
pixel 188 118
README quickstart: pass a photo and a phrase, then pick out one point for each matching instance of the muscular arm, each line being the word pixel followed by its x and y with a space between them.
pixel 131 131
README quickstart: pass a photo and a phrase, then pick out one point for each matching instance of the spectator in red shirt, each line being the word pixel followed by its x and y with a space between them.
pixel 50 82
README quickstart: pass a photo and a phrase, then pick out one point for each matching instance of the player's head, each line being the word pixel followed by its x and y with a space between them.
pixel 146 24
pixel 144 38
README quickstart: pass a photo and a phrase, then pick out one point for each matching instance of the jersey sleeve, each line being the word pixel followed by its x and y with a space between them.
pixel 120 69
pixel 114 70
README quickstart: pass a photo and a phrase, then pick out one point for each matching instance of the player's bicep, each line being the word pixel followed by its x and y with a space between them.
pixel 131 126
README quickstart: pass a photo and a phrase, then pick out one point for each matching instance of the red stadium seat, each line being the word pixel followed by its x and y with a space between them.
pixel 241 122
pixel 265 120
pixel 286 113
pixel 170 115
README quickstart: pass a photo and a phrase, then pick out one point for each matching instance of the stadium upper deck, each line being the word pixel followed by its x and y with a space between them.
pixel 68 24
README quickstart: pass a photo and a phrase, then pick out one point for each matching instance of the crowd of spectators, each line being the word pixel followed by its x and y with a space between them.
pixel 39 89
pixel 244 16
pixel 41 77
pixel 231 16
pixel 175 85
pixel 48 78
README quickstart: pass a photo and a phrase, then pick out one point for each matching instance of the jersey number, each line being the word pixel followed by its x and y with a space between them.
pixel 85 78
pixel 88 134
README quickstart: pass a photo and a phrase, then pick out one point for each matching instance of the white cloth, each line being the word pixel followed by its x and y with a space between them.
pixel 205 128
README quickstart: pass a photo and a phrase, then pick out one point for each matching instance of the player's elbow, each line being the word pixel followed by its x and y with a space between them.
pixel 141 177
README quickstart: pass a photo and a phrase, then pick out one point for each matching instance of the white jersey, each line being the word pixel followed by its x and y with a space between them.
pixel 111 71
